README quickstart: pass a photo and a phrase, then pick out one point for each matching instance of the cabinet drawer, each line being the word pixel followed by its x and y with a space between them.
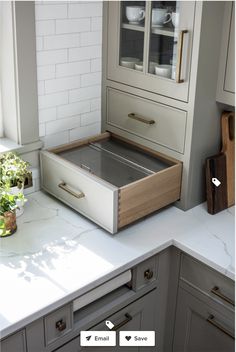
pixel 200 327
pixel 145 273
pixel 111 180
pixel 155 122
pixel 139 315
pixel 56 171
pixel 58 324
pixel 15 342
pixel 207 280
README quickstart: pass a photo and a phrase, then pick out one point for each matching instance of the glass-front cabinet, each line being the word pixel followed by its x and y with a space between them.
pixel 150 45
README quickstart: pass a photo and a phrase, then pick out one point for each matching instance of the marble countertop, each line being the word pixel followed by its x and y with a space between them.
pixel 57 255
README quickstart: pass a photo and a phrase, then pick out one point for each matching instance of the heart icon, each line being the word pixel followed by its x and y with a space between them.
pixel 128 338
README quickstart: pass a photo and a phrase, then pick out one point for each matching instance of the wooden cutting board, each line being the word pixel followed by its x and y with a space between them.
pixel 216 195
pixel 228 148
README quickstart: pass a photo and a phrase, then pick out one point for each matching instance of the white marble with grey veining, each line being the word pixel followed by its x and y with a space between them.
pixel 57 255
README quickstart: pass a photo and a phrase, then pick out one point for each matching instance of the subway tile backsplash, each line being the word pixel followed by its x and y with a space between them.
pixel 69 49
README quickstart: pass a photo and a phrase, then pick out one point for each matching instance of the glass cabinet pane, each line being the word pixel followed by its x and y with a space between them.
pixel 163 38
pixel 132 34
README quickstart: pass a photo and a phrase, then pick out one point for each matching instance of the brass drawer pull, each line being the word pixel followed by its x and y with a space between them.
pixel 124 322
pixel 60 325
pixel 211 320
pixel 64 186
pixel 148 274
pixel 136 117
pixel 216 291
pixel 180 56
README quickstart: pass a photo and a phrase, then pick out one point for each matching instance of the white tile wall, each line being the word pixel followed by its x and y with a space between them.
pixel 69 47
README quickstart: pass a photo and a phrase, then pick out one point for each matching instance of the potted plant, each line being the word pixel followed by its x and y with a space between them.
pixel 8 205
pixel 13 173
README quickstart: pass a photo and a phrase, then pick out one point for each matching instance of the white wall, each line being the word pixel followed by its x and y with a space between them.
pixel 69 47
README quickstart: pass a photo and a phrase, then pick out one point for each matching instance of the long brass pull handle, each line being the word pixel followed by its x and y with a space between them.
pixel 141 119
pixel 216 291
pixel 211 320
pixel 64 186
pixel 180 56
pixel 118 326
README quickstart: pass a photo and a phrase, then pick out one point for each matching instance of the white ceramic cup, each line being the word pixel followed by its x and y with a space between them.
pixel 175 19
pixel 160 17
pixel 135 14
pixel 163 70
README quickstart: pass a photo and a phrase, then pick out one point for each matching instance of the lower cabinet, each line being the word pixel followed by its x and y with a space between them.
pixel 200 327
pixel 139 315
pixel 14 343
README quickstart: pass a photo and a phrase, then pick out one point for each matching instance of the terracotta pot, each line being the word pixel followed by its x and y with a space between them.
pixel 10 222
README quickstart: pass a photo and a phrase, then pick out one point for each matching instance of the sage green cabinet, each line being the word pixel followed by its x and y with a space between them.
pixel 205 309
pixel 226 75
pixel 136 48
pixel 201 328
pixel 137 316
pixel 160 79
pixel 14 343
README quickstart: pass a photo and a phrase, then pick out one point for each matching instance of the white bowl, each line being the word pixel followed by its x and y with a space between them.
pixel 129 62
pixel 139 66
pixel 163 70
pixel 152 66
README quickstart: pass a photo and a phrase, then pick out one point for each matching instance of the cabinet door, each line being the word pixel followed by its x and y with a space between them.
pixel 13 343
pixel 230 63
pixel 149 45
pixel 137 316
pixel 199 328
pixel 226 75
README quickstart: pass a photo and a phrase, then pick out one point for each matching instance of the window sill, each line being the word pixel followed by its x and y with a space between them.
pixel 7 145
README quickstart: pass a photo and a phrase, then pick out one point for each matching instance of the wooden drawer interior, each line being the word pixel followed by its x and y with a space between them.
pixel 145 180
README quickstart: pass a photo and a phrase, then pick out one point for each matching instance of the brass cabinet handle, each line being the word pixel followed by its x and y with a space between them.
pixel 180 56
pixel 64 186
pixel 211 320
pixel 139 118
pixel 60 325
pixel 125 321
pixel 148 274
pixel 216 291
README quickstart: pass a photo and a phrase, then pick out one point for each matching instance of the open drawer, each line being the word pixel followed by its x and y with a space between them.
pixel 111 180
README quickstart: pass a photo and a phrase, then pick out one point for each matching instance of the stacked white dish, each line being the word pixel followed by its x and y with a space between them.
pixel 163 70
pixel 129 62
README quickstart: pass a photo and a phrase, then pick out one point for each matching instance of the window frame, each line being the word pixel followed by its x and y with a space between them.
pixel 18 72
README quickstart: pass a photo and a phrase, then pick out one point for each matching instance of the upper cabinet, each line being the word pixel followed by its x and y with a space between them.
pixel 149 45
pixel 226 77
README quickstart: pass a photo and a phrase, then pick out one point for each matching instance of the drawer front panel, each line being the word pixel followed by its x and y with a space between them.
pixel 58 324
pixel 155 122
pixel 139 315
pixel 200 327
pixel 207 281
pixel 15 342
pixel 99 200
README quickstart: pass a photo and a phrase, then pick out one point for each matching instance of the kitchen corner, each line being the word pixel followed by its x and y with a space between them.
pixel 122 113
pixel 57 255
